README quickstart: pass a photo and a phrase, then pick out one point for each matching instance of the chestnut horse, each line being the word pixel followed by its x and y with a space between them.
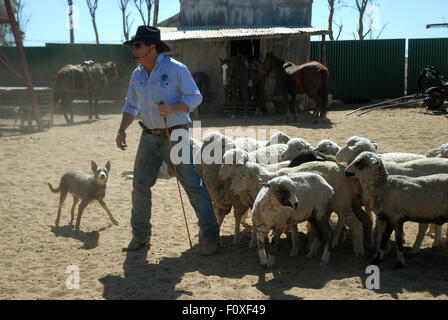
pixel 310 78
pixel 89 78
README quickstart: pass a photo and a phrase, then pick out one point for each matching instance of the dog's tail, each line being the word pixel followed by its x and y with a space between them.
pixel 54 190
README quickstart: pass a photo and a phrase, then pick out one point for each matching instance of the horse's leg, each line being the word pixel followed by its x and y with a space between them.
pixel 294 105
pixel 233 90
pixel 244 96
pixel 316 110
pixel 90 94
pixel 66 108
pixel 286 102
pixel 95 105
pixel 261 97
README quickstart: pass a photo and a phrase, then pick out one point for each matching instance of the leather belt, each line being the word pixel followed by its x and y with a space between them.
pixel 160 131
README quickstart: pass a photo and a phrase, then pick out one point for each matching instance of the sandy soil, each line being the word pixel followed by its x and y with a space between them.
pixel 35 254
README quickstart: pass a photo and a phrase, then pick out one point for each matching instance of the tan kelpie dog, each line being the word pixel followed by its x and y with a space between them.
pixel 86 187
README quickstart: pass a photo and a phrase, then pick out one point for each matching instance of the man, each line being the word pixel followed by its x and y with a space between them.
pixel 161 87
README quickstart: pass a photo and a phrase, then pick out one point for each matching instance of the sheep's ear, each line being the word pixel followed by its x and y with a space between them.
pixel 373 161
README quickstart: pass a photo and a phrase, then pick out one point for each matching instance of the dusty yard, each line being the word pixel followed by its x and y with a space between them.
pixel 35 254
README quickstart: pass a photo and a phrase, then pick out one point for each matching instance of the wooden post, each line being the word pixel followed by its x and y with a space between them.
pixel 23 62
pixel 323 51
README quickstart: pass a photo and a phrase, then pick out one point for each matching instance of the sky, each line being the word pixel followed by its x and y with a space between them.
pixel 400 19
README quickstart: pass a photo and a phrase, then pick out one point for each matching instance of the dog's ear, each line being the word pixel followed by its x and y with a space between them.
pixel 94 166
pixel 108 165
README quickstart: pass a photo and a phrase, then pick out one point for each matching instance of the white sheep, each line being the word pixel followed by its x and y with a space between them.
pixel 356 145
pixel 440 152
pixel 289 200
pixel 270 154
pixel 327 147
pixel 249 144
pixel 399 198
pixel 418 168
pixel 355 139
pixel 223 200
pixel 249 178
pixel 236 157
pixel 278 137
pixel 295 145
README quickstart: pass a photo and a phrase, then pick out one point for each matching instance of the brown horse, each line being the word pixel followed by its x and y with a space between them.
pixel 257 80
pixel 89 78
pixel 235 75
pixel 310 78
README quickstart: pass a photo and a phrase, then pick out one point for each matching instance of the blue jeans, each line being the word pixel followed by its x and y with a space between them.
pixel 146 170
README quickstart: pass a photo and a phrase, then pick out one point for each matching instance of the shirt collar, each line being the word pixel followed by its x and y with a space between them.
pixel 160 57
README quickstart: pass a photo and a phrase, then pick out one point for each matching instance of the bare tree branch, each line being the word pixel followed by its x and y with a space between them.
pixel 381 31
pixel 123 4
pixel 93 5
pixel 340 26
pixel 144 6
pixel 138 4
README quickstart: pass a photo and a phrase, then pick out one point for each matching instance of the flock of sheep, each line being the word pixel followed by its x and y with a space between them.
pixel 285 181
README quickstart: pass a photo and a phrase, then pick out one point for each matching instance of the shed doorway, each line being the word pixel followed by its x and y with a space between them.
pixel 250 49
pixel 247 48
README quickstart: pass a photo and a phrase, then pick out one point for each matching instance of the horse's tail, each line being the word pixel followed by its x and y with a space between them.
pixel 323 92
pixel 56 96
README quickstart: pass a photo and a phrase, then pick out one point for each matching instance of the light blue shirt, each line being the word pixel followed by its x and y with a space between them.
pixel 169 81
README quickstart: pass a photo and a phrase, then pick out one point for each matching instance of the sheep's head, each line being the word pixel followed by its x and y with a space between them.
pixel 355 139
pixel 278 138
pixel 282 193
pixel 295 145
pixel 214 145
pixel 350 152
pixel 232 159
pixel 327 147
pixel 242 180
pixel 364 166
pixel 444 150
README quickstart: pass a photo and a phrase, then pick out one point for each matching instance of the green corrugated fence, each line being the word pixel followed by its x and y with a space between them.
pixel 364 69
pixel 44 62
pixel 424 52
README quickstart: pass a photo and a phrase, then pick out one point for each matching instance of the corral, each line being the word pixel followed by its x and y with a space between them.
pixel 36 254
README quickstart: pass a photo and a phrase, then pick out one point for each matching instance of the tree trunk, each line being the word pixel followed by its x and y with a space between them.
pixel 70 20
pixel 330 19
pixel 156 12
pixel 96 31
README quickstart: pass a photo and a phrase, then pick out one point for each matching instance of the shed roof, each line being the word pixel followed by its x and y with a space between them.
pixel 233 33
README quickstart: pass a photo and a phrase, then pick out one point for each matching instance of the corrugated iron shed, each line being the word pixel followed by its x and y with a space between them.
pixel 235 33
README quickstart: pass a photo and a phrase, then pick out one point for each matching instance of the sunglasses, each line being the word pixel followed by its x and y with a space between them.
pixel 138 45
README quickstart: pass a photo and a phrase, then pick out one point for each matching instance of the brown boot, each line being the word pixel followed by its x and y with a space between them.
pixel 135 245
pixel 209 249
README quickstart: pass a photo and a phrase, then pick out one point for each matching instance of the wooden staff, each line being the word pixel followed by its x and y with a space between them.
pixel 177 179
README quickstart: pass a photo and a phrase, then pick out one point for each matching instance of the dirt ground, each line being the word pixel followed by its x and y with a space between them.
pixel 36 254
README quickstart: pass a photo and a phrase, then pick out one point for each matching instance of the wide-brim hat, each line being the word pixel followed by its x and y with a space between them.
pixel 148 34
